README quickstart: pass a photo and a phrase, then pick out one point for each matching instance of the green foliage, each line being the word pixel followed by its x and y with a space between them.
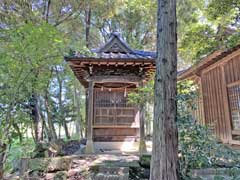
pixel 187 93
pixel 17 151
pixel 212 25
pixel 199 40
pixel 27 54
pixel 33 42
pixel 134 19
pixel 228 9
pixel 219 178
pixel 198 148
pixel 195 146
pixel 143 94
pixel 140 27
pixel 35 48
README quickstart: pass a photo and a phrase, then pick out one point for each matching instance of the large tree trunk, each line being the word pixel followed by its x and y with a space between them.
pixel 164 164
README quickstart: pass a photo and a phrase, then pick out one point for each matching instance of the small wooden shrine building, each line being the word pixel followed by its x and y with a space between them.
pixel 218 77
pixel 109 73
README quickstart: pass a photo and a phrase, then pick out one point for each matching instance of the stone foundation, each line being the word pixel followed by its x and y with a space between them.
pixel 218 173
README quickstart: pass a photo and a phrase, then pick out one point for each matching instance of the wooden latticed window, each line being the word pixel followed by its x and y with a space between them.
pixel 234 101
pixel 112 108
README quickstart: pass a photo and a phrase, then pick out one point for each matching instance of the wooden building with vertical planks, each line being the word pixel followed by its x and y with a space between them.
pixel 109 73
pixel 218 77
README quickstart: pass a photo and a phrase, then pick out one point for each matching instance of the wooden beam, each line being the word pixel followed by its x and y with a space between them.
pixel 117 79
pixel 150 60
pixel 235 83
pixel 234 142
pixel 115 127
pixel 235 132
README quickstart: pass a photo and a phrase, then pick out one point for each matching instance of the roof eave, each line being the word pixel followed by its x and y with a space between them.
pixel 108 59
pixel 207 61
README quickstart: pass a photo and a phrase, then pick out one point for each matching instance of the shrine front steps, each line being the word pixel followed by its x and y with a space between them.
pixel 112 173
pixel 109 166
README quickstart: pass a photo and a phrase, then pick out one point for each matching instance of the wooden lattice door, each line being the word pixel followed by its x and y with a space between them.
pixel 112 108
pixel 234 102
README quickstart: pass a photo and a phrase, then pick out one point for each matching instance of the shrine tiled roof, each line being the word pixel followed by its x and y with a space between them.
pixel 115 48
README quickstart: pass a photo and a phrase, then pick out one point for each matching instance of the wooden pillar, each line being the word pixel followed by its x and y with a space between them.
pixel 89 146
pixel 226 106
pixel 203 122
pixel 142 143
pixel 86 111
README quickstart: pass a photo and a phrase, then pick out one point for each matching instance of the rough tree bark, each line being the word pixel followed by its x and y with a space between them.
pixel 164 163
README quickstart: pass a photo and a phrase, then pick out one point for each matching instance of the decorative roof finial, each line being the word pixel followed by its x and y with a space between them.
pixel 116 33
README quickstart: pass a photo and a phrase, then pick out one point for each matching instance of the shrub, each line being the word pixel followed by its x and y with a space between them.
pixel 198 148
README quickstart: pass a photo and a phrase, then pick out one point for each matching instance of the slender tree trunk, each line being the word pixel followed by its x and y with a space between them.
pixel 142 143
pixel 164 164
pixel 19 133
pixel 147 122
pixel 64 123
pixel 37 122
pixel 77 96
pixel 51 128
pixel 59 130
pixel 46 131
pixel 3 149
pixel 88 25
pixel 62 118
pixel 47 10
pixel 5 144
pixel 66 130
